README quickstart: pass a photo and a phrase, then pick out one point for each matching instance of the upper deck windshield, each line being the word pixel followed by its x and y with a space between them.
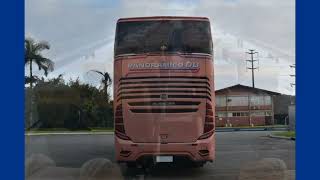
pixel 170 36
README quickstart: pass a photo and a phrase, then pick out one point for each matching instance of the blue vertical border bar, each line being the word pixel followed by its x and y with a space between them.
pixel 307 89
pixel 12 89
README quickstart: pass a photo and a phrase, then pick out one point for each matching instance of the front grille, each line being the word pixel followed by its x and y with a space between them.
pixel 165 77
pixel 164 103
pixel 165 82
pixel 190 96
pixel 163 110
pixel 160 87
pixel 164 91
pixel 169 96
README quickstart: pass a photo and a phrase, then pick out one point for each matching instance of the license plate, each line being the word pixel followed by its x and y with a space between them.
pixel 164 158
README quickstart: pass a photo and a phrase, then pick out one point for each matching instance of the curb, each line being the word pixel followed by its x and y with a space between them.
pixel 282 137
pixel 251 129
pixel 69 133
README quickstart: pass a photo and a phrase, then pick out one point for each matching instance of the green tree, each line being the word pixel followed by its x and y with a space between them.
pixel 33 54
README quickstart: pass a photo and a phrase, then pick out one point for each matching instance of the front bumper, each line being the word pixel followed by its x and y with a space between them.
pixel 201 150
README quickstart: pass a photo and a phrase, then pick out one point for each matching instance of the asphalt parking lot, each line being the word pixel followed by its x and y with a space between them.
pixel 235 152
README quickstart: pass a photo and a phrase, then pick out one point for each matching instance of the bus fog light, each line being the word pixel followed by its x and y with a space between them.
pixel 204 152
pixel 125 153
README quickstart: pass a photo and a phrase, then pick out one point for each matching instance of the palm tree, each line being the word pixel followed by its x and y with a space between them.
pixel 105 81
pixel 33 55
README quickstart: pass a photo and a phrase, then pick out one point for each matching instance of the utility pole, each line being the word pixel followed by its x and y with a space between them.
pixel 293 75
pixel 292 84
pixel 252 67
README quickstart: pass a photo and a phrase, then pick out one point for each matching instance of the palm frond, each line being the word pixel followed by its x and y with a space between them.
pixel 106 80
pixel 99 72
pixel 107 76
pixel 43 45
pixel 28 42
pixel 32 54
pixel 44 64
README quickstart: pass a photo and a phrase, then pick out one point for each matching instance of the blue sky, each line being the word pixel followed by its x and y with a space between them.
pixel 81 34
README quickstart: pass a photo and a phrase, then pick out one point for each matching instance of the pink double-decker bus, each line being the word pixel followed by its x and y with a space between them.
pixel 164 90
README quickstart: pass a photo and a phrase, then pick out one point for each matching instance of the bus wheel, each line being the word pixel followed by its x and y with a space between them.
pixel 131 164
pixel 198 164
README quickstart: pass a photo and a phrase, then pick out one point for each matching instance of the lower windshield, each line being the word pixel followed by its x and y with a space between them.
pixel 163 36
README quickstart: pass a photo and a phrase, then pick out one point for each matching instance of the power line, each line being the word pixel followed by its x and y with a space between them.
pixel 253 66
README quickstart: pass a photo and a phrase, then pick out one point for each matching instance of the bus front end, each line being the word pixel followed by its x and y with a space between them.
pixel 164 90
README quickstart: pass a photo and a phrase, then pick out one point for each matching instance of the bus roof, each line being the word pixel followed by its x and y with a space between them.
pixel 156 18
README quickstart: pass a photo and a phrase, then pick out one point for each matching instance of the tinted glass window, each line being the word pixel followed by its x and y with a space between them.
pixel 163 36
